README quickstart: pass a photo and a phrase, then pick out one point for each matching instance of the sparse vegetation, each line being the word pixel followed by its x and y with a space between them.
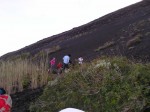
pixel 106 45
pixel 21 56
pixel 147 34
pixel 44 53
pixel 53 49
pixel 134 41
pixel 105 85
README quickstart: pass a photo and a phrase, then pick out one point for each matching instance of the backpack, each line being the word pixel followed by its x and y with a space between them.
pixel 5 103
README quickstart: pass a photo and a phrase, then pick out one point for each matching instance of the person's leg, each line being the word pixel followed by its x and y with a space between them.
pixel 64 66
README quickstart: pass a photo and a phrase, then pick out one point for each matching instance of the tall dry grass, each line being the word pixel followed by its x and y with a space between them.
pixel 21 74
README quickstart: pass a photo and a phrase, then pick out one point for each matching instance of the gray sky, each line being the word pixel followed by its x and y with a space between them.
pixel 23 22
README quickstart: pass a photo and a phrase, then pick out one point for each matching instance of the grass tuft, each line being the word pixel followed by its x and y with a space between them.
pixel 106 45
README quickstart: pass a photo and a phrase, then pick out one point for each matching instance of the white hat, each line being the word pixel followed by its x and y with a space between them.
pixel 71 110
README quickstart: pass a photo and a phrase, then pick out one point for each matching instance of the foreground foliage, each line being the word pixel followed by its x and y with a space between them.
pixel 105 85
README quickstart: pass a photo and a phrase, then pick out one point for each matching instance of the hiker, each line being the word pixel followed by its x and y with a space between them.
pixel 66 61
pixel 5 101
pixel 59 68
pixel 52 65
pixel 80 60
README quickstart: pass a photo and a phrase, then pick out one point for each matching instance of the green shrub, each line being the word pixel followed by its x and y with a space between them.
pixel 110 85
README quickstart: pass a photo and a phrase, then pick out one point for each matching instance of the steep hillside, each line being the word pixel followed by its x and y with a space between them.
pixel 124 32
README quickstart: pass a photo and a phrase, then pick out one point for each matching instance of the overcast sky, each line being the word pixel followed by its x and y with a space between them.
pixel 23 22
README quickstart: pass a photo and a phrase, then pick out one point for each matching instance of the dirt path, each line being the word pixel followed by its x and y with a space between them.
pixel 22 100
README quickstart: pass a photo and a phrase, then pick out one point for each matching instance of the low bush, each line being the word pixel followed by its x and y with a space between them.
pixel 108 85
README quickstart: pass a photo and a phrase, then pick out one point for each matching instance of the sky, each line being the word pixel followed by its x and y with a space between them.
pixel 24 22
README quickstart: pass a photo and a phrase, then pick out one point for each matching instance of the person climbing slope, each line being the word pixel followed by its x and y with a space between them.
pixel 53 65
pixel 66 61
pixel 80 60
pixel 59 68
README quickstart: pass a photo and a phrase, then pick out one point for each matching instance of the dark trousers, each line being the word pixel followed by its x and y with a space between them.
pixel 65 66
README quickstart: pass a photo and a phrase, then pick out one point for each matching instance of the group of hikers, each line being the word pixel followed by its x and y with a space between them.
pixel 5 101
pixel 62 66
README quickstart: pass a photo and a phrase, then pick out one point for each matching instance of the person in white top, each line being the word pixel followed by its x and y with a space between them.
pixel 66 61
pixel 80 60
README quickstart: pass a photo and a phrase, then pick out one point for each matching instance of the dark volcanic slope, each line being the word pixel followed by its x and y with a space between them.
pixel 124 32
